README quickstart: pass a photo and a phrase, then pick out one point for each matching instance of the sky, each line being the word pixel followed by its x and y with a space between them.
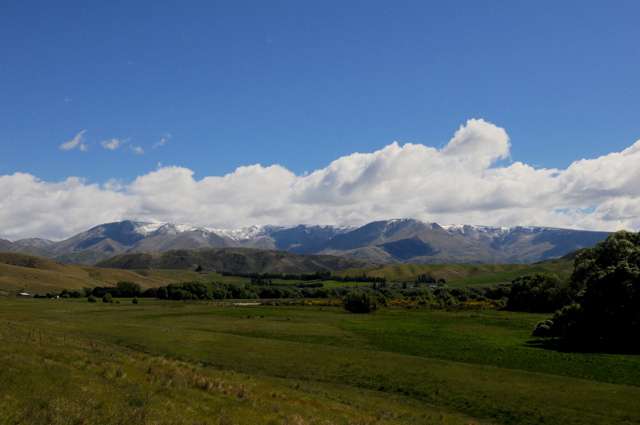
pixel 235 113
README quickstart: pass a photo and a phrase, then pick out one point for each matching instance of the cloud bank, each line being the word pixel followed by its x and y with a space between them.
pixel 466 181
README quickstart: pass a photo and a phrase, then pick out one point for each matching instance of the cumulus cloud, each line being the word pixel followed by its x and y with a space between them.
pixel 111 144
pixel 466 181
pixel 76 143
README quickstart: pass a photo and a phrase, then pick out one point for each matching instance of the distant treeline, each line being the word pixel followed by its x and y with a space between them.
pixel 384 294
pixel 402 294
pixel 121 290
pixel 307 277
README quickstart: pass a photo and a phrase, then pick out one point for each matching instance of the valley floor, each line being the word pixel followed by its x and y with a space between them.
pixel 72 362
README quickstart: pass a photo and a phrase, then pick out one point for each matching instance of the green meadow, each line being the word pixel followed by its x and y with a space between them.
pixel 463 275
pixel 73 362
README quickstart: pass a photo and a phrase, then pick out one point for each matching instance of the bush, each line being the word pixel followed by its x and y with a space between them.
pixel 107 298
pixel 544 328
pixel 134 301
pixel 127 289
pixel 92 299
pixel 569 323
pixel 185 291
pixel 607 281
pixel 538 293
pixel 66 293
pixel 444 298
pixel 359 302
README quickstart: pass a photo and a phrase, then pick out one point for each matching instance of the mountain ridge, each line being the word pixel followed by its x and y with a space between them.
pixel 382 241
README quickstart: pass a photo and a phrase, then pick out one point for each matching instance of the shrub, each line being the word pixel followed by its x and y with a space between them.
pixel 107 298
pixel 569 323
pixel 538 293
pixel 359 302
pixel 426 278
pixel 184 291
pixel 127 289
pixel 543 329
pixel 134 301
pixel 443 297
pixel 607 281
pixel 92 299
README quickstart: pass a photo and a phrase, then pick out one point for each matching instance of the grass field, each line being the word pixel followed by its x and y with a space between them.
pixel 204 363
pixel 460 275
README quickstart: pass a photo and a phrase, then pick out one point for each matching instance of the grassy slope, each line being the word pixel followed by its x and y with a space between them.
pixel 458 364
pixel 233 260
pixel 465 274
pixel 51 378
pixel 38 275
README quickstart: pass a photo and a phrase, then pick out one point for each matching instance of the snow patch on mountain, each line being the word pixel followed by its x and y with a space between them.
pixel 146 229
pixel 242 233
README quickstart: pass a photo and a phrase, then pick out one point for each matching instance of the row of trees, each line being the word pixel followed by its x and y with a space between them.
pixel 430 279
pixel 121 290
pixel 325 275
pixel 417 294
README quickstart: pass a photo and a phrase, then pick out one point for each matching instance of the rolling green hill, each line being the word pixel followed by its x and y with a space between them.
pixel 233 260
pixel 465 274
pixel 39 275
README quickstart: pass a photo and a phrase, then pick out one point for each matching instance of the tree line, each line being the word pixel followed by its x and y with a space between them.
pixel 323 275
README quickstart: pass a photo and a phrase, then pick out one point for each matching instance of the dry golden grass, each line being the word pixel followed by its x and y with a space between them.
pixel 38 275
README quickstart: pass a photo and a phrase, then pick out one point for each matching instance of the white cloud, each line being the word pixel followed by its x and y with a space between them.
pixel 138 150
pixel 163 141
pixel 464 182
pixel 76 143
pixel 112 144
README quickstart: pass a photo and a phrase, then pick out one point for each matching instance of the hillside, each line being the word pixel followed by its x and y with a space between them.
pixel 233 260
pixel 38 275
pixel 465 274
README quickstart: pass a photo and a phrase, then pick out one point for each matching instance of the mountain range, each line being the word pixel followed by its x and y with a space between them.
pixel 379 242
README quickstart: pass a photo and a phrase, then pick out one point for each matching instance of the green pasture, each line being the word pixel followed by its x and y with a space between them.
pixel 178 362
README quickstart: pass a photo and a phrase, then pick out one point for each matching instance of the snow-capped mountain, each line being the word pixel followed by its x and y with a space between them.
pixel 387 241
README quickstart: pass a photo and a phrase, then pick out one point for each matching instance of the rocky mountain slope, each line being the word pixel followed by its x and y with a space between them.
pixel 387 241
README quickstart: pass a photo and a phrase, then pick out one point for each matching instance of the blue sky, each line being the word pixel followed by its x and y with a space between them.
pixel 303 83
pixel 483 98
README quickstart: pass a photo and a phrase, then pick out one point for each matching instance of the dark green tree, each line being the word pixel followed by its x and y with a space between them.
pixel 128 289
pixel 607 278
pixel 538 293
pixel 359 301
